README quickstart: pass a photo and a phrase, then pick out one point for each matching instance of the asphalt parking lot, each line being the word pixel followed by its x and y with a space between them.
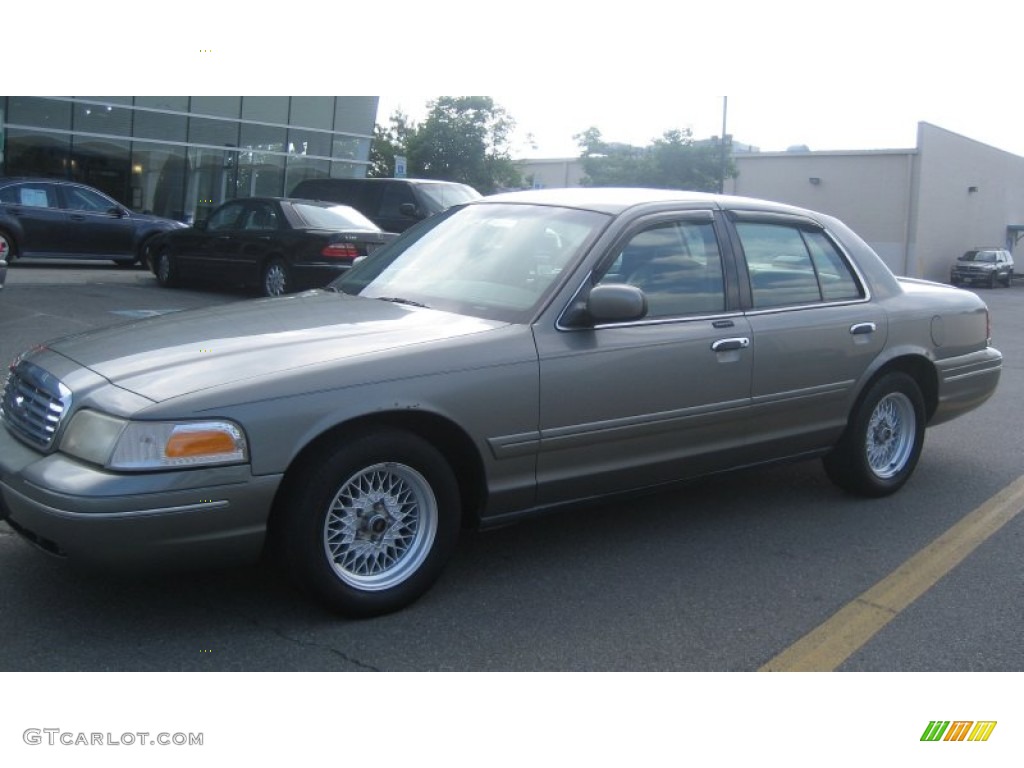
pixel 725 574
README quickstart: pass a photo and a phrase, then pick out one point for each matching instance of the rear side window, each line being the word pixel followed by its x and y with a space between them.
pixel 789 265
pixel 33 195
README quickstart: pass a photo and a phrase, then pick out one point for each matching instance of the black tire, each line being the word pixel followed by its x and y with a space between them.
pixel 275 280
pixel 166 270
pixel 1009 279
pixel 369 526
pixel 882 443
pixel 7 250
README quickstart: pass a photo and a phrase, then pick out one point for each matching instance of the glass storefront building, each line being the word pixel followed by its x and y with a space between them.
pixel 180 156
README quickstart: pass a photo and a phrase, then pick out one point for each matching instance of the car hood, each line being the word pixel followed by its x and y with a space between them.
pixel 189 351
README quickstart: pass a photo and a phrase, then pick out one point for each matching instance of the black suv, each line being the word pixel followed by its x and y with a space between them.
pixel 987 266
pixel 394 205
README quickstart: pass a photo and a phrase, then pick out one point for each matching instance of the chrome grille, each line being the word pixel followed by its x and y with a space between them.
pixel 33 404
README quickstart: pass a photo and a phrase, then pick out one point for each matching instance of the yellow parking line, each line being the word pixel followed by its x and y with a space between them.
pixel 833 642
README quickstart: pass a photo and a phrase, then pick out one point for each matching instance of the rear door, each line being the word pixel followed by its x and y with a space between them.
pixel 814 331
pixel 34 208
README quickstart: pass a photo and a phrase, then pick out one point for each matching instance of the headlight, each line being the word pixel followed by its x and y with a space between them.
pixel 135 445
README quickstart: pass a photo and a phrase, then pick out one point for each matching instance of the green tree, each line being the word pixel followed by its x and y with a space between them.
pixel 388 142
pixel 673 161
pixel 463 138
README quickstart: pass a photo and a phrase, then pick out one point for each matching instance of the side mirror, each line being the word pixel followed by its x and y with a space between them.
pixel 410 210
pixel 613 303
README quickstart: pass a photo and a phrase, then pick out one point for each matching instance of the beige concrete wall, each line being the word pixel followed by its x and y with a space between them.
pixel 951 217
pixel 870 191
pixel 554 173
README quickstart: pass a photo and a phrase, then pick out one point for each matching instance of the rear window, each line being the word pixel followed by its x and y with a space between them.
pixel 333 217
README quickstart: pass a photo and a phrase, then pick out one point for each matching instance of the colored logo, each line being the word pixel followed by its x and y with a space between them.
pixel 959 730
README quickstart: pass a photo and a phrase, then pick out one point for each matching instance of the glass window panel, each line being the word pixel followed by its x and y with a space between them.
pixel 301 142
pixel 212 181
pixel 218 106
pixel 350 148
pixel 104 164
pixel 39 113
pixel 312 112
pixel 355 114
pixel 102 118
pixel 260 174
pixel 343 170
pixel 125 100
pixel 302 168
pixel 158 180
pixel 266 109
pixel 216 132
pixel 266 137
pixel 36 153
pixel 161 126
pixel 173 103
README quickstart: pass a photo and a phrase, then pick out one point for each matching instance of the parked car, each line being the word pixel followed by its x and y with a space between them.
pixel 278 244
pixel 515 354
pixel 67 220
pixel 392 204
pixel 988 266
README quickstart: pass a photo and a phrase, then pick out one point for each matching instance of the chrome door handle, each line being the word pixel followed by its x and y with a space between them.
pixel 861 328
pixel 727 345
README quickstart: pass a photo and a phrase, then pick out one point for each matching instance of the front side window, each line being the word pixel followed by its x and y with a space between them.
pixel 677 265
pixel 790 265
pixel 81 199
pixel 225 218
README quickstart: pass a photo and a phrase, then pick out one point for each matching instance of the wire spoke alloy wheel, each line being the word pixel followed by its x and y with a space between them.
pixel 891 433
pixel 380 526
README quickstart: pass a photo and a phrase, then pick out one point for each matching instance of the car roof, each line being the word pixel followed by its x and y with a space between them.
pixel 615 200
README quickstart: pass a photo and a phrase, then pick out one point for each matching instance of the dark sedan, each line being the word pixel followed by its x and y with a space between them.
pixel 278 244
pixel 63 219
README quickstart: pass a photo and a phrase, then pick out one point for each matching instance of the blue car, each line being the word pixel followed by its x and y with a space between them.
pixel 63 219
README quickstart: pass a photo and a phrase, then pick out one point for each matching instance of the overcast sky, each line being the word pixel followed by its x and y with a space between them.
pixel 831 75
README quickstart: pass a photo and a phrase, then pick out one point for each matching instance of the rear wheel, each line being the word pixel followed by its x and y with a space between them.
pixel 883 439
pixel 6 247
pixel 276 280
pixel 166 270
pixel 369 527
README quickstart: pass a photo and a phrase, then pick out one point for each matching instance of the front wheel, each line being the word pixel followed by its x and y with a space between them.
pixel 370 526
pixel 882 442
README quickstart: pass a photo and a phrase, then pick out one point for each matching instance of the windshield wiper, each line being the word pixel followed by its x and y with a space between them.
pixel 398 300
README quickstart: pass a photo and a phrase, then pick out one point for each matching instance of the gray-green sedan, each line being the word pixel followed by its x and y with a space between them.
pixel 518 353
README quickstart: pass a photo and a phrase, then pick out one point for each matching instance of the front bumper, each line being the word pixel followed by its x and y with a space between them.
pixel 210 516
pixel 965 382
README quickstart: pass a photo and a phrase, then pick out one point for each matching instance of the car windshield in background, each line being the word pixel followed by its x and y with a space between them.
pixel 989 256
pixel 492 261
pixel 333 217
pixel 447 195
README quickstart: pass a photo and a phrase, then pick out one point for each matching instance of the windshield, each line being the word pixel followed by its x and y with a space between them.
pixel 493 261
pixel 444 196
pixel 989 256
pixel 333 217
